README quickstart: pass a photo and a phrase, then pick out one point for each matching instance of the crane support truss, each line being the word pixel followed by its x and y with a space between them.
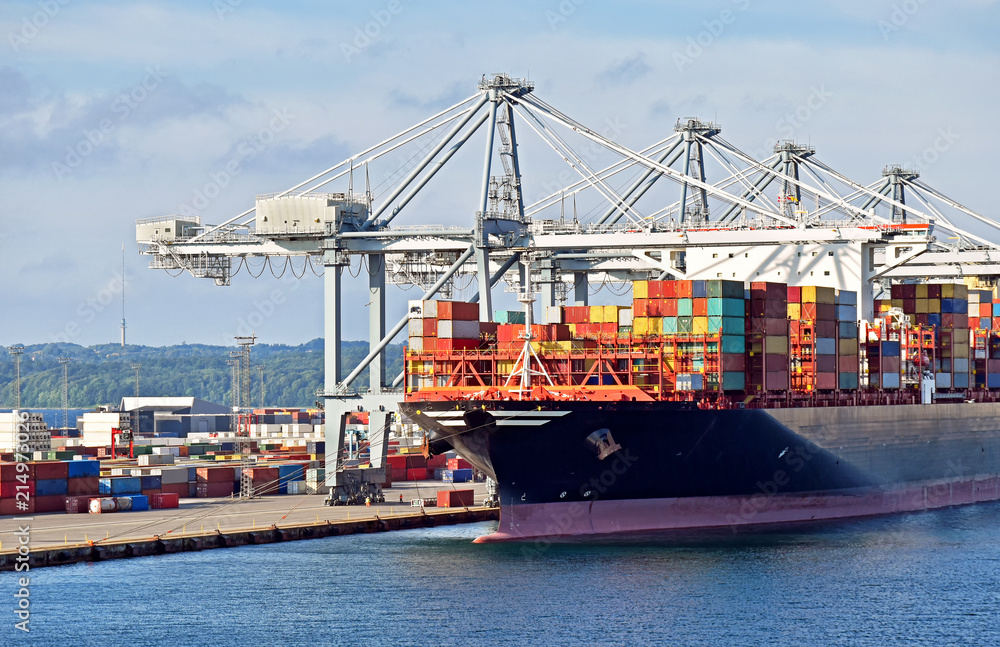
pixel 736 215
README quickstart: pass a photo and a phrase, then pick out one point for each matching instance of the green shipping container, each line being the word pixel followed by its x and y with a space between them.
pixel 685 308
pixel 670 325
pixel 718 288
pixel 726 308
pixel 736 381
pixel 508 316
pixel 734 344
pixel 726 325
pixel 685 324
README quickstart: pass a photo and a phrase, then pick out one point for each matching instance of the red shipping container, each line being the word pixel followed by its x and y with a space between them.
pixel 826 328
pixel 767 291
pixel 458 464
pixel 559 332
pixel 908 291
pixel 9 490
pixel 985 309
pixel 761 308
pixel 639 307
pixel 922 319
pixel 430 329
pixel 415 460
pixel 826 363
pixel 164 501
pixel 82 485
pixel 50 470
pixel 448 345
pixel 774 362
pixel 948 320
pixel 457 310
pixel 10 506
pixel 794 294
pixel 654 289
pixel 826 381
pixel 416 474
pixel 180 489
pixel 961 320
pixel 455 498
pixel 668 308
pixel 214 489
pixel 974 323
pixel 216 475
pixel 777 380
pixel 77 504
pixel 438 462
pixel 654 308
pixel 778 327
pixel 826 312
pixel 848 363
pixel 734 362
pixel 933 290
pixel 54 503
pixel 684 289
pixel 808 312
pixel 910 304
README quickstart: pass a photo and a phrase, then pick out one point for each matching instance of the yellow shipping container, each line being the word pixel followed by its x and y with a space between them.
pixel 921 307
pixel 597 314
pixel 794 311
pixel 817 294
pixel 897 303
pixel 933 305
pixel 640 289
pixel 611 314
pixel 884 307
pixel 699 325
pixel 776 345
pixel 922 291
pixel 848 347
pixel 640 326
pixel 655 326
pixel 960 336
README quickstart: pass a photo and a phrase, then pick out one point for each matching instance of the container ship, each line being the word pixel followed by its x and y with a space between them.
pixel 715 404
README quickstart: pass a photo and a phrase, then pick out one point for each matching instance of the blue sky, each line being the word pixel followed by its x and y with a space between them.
pixel 201 80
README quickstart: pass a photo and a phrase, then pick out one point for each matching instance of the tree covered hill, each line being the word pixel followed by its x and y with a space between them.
pixel 102 374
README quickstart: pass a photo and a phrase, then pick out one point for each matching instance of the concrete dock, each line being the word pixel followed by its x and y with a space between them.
pixel 59 538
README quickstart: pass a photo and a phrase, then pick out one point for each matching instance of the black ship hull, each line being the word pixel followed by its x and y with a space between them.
pixel 582 468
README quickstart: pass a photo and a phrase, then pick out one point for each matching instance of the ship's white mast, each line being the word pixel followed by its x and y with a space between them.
pixel 523 366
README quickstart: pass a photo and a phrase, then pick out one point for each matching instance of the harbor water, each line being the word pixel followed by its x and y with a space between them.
pixel 919 579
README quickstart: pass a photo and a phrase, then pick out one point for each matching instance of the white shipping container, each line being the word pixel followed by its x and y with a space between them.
pixel 454 329
pixel 624 316
pixel 416 344
pixel 423 309
pixel 156 459
pixel 553 314
pixel 415 328
pixel 175 451
pixel 170 475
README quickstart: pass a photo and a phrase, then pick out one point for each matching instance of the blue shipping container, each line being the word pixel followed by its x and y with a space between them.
pixel 120 485
pixel 848 380
pixel 826 346
pixel 151 482
pixel 699 289
pixel 993 380
pixel 961 380
pixel 848 330
pixel 462 475
pixel 847 313
pixel 734 344
pixel 733 381
pixel 934 319
pixel 140 502
pixel 50 487
pixel 890 380
pixel 847 298
pixel 890 349
pixel 86 467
